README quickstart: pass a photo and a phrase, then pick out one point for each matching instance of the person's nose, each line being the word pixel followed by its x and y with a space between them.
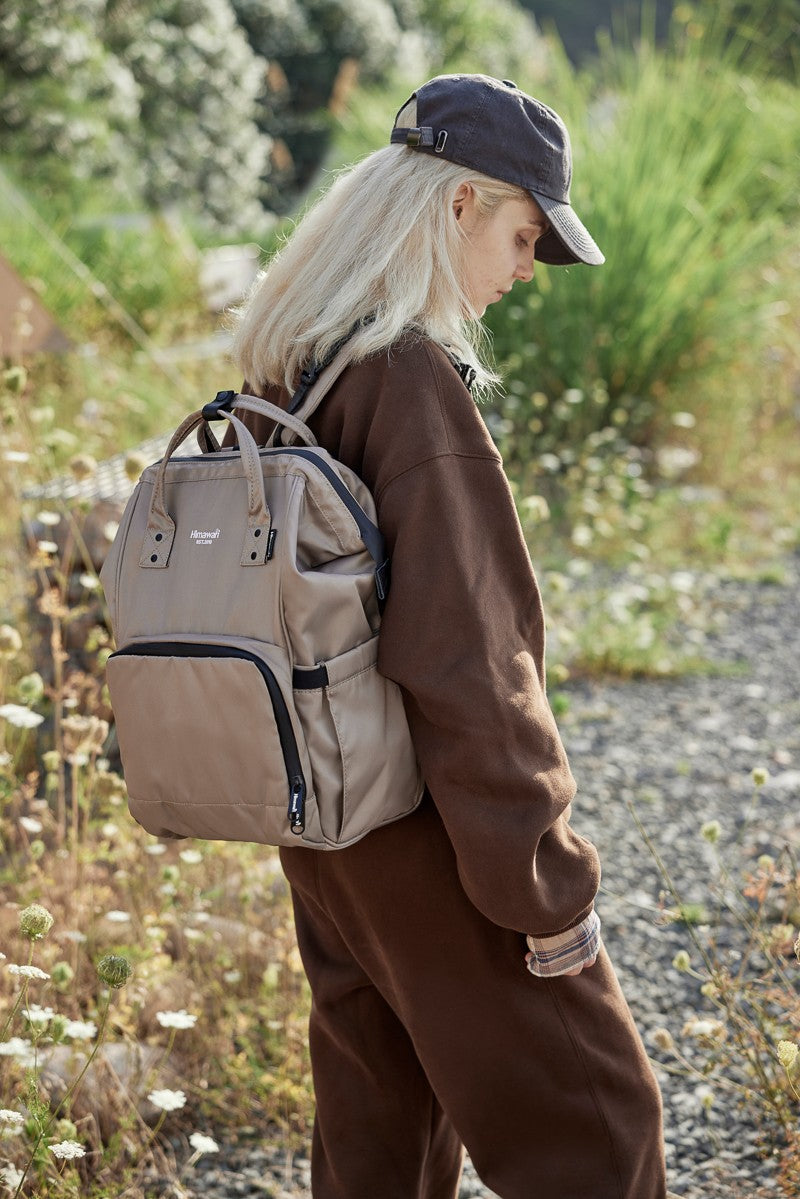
pixel 525 270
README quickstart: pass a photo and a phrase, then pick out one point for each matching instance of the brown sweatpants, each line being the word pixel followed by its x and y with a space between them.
pixel 427 1033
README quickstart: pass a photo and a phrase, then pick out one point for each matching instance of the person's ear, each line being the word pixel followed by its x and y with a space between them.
pixel 461 199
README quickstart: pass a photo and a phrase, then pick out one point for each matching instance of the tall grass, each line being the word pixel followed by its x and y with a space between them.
pixel 685 173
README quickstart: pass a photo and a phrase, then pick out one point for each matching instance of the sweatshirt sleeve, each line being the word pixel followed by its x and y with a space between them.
pixel 463 636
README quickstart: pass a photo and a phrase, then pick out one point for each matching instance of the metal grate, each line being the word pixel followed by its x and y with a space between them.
pixel 109 481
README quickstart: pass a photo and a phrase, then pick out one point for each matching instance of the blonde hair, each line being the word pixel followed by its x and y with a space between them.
pixel 382 243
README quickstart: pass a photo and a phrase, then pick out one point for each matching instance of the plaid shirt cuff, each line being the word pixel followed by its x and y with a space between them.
pixel 563 952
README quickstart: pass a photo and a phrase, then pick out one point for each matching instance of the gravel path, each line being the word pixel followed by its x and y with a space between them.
pixel 682 751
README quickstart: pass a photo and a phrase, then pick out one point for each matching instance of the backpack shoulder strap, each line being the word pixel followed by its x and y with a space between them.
pixel 317 380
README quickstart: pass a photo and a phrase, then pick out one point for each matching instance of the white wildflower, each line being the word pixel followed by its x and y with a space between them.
pixel 203 1144
pixel 157 848
pixel 31 824
pixel 9 1174
pixel 14 1118
pixel 67 1149
pixel 47 547
pixel 48 518
pixel 167 1101
pixel 180 1019
pixel 38 1015
pixel 190 856
pixel 16 456
pixel 117 917
pixel 26 971
pixel 80 1030
pixel 21 717
pixel 19 1048
pixel 89 582
pixel 232 976
pixel 193 934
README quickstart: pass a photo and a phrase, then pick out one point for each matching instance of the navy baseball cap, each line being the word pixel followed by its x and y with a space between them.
pixel 494 128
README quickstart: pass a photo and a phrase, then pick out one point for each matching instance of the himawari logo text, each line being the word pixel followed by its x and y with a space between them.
pixel 201 537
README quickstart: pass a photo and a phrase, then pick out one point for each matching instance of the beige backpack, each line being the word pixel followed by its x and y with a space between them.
pixel 245 588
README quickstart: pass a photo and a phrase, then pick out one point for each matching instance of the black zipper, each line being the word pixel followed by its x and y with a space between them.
pixel 291 756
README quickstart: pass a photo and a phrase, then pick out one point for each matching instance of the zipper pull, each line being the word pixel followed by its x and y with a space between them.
pixel 297 803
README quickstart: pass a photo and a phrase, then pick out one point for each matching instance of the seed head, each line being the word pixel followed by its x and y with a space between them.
pixel 682 961
pixel 134 465
pixel 662 1037
pixel 51 759
pixel 114 970
pixel 35 922
pixel 787 1054
pixel 760 775
pixel 83 466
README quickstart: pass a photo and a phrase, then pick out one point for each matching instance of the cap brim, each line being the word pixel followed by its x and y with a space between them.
pixel 567 240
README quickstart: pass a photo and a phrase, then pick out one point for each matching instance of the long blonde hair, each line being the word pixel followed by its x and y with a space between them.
pixel 382 243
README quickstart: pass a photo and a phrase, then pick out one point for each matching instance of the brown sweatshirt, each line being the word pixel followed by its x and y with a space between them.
pixel 462 631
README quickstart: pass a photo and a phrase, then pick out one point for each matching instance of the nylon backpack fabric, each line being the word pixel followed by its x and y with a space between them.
pixel 244 590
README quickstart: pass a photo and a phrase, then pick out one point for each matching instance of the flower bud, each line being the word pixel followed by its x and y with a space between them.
pixel 35 922
pixel 760 775
pixel 114 970
pixel 62 974
pixel 15 379
pixel 710 831
pixel 57 1027
pixel 30 688
pixel 662 1038
pixel 10 641
pixel 682 961
pixel 51 759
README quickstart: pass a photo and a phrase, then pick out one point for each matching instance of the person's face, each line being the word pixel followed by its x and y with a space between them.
pixel 500 248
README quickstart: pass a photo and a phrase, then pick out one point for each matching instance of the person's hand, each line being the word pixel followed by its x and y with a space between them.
pixel 569 973
pixel 577 970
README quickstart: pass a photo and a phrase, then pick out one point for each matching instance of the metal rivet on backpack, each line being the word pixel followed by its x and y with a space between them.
pixel 253 556
pixel 257 533
pixel 154 557
pixel 159 536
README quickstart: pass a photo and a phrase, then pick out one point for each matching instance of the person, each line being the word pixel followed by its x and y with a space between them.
pixel 427 1033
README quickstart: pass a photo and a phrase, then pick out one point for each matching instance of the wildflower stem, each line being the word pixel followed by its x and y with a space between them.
pixel 68 1094
pixel 21 998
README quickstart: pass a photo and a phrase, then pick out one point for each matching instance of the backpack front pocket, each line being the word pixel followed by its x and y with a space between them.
pixel 209 745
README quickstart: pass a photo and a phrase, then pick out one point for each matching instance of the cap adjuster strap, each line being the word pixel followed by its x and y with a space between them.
pixel 420 136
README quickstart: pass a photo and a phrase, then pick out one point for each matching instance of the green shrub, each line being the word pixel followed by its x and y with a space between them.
pixel 683 175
